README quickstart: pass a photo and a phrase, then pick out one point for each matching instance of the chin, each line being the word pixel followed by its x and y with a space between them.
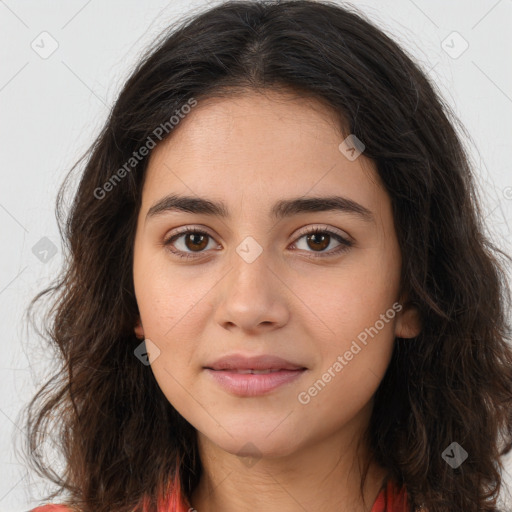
pixel 257 443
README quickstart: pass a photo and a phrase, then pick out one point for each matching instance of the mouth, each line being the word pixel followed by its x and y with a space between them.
pixel 251 376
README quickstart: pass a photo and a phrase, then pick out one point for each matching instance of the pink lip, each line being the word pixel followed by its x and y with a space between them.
pixel 247 384
pixel 225 372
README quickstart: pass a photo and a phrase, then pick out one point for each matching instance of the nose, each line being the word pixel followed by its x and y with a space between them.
pixel 252 296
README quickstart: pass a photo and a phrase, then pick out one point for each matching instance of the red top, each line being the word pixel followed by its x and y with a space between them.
pixel 390 499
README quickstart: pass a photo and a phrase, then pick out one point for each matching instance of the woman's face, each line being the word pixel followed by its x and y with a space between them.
pixel 257 284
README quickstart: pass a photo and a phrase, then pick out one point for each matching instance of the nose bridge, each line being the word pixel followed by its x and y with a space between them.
pixel 250 295
pixel 250 261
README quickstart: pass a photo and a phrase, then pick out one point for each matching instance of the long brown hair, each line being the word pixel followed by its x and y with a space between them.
pixel 121 439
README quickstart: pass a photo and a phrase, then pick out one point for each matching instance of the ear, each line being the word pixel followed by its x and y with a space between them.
pixel 408 322
pixel 139 330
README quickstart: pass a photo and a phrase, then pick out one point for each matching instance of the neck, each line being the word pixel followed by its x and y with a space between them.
pixel 315 477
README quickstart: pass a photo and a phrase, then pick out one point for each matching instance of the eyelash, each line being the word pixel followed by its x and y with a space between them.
pixel 345 244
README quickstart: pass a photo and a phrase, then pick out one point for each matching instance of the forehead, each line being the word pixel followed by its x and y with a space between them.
pixel 259 147
pixel 251 121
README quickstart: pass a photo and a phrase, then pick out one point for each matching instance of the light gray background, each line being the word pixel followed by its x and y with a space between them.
pixel 52 108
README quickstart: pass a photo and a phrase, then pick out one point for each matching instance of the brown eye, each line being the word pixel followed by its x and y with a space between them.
pixel 191 241
pixel 318 239
pixel 195 241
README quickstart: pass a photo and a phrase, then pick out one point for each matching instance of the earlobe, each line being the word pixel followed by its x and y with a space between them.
pixel 139 330
pixel 408 323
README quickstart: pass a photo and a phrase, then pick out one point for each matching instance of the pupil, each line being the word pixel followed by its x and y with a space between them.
pixel 324 237
pixel 196 242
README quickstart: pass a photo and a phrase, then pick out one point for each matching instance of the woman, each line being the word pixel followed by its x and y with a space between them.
pixel 280 295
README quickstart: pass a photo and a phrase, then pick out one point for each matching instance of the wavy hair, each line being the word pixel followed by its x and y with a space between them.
pixel 122 441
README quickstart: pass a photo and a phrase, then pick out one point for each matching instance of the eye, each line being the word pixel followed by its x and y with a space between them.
pixel 196 240
pixel 321 238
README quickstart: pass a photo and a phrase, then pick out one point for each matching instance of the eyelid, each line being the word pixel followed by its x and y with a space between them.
pixel 183 230
pixel 323 227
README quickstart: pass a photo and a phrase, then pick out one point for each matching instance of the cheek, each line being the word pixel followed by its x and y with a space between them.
pixel 167 297
pixel 341 301
pixel 170 315
pixel 350 370
pixel 352 315
pixel 175 312
pixel 370 286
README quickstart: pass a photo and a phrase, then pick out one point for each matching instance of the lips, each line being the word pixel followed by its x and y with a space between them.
pixel 253 376
pixel 237 363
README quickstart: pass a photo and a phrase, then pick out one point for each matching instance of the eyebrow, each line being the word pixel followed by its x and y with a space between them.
pixel 281 209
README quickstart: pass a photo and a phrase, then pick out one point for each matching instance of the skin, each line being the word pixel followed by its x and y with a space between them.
pixel 250 151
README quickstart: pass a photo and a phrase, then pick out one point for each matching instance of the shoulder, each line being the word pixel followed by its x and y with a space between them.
pixel 52 508
pixel 391 498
